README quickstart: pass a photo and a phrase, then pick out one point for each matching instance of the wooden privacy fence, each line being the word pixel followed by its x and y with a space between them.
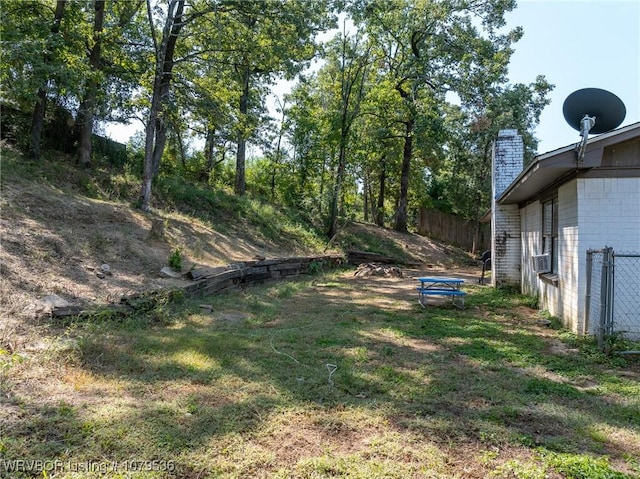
pixel 453 230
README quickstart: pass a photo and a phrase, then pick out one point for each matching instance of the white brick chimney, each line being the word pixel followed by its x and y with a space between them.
pixel 508 154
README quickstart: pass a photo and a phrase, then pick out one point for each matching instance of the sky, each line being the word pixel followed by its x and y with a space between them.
pixel 575 44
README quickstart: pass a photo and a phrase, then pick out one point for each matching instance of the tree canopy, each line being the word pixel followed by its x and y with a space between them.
pixel 394 104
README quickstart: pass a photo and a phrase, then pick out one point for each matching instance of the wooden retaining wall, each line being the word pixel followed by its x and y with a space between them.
pixel 206 281
pixel 215 280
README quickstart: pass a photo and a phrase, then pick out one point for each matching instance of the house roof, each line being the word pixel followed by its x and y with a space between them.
pixel 553 168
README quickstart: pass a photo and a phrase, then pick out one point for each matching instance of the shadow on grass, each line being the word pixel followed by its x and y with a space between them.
pixel 481 375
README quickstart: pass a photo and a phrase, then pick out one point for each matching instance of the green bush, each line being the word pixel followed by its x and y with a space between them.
pixel 175 259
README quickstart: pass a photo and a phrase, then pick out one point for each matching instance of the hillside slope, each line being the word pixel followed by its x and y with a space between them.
pixel 54 238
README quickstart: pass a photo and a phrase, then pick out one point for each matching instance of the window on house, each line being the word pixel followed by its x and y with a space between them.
pixel 550 231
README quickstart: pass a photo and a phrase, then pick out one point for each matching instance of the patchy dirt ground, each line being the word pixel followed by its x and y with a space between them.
pixel 459 428
pixel 54 242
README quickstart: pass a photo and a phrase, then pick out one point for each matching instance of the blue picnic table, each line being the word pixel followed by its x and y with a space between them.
pixel 440 286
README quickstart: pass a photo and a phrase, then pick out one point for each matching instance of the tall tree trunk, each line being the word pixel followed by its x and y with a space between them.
pixel 148 171
pixel 337 189
pixel 276 161
pixel 37 124
pixel 208 151
pixel 383 181
pixel 241 185
pixel 403 199
pixel 371 198
pixel 183 153
pixel 223 158
pixel 365 196
pixel 40 107
pixel 352 77
pixel 155 131
pixel 87 107
pixel 322 181
pixel 160 134
pixel 84 123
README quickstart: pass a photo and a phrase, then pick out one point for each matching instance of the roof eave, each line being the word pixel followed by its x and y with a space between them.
pixel 559 163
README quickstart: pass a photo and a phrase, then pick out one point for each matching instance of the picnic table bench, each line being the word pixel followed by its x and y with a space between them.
pixel 436 286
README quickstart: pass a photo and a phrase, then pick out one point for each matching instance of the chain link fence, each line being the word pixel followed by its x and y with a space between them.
pixel 613 295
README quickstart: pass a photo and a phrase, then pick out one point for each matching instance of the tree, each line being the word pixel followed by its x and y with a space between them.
pixel 380 134
pixel 88 104
pixel 38 61
pixel 81 59
pixel 432 48
pixel 463 178
pixel 375 120
pixel 277 157
pixel 110 75
pixel 348 65
pixel 156 128
pixel 271 38
pixel 40 106
pixel 302 183
pixel 255 38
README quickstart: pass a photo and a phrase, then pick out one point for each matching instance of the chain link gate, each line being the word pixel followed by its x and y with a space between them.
pixel 613 295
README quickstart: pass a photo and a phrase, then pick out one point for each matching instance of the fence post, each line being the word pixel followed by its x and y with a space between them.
pixel 610 281
pixel 611 297
pixel 605 323
pixel 587 306
pixel 604 293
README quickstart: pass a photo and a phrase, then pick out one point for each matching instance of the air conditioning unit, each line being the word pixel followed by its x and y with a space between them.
pixel 542 263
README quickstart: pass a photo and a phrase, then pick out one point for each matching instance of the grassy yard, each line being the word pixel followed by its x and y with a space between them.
pixel 327 377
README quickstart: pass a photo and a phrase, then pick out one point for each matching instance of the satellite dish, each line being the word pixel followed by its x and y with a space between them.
pixel 592 110
pixel 604 107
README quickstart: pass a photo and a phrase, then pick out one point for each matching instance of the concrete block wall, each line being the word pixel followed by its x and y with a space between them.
pixel 547 292
pixel 592 213
pixel 568 303
pixel 507 163
pixel 531 221
pixel 609 215
pixel 505 246
pixel 559 298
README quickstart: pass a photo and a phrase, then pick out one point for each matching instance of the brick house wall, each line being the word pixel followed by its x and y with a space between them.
pixel 507 163
pixel 531 225
pixel 592 213
pixel 608 215
pixel 568 305
pixel 598 205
